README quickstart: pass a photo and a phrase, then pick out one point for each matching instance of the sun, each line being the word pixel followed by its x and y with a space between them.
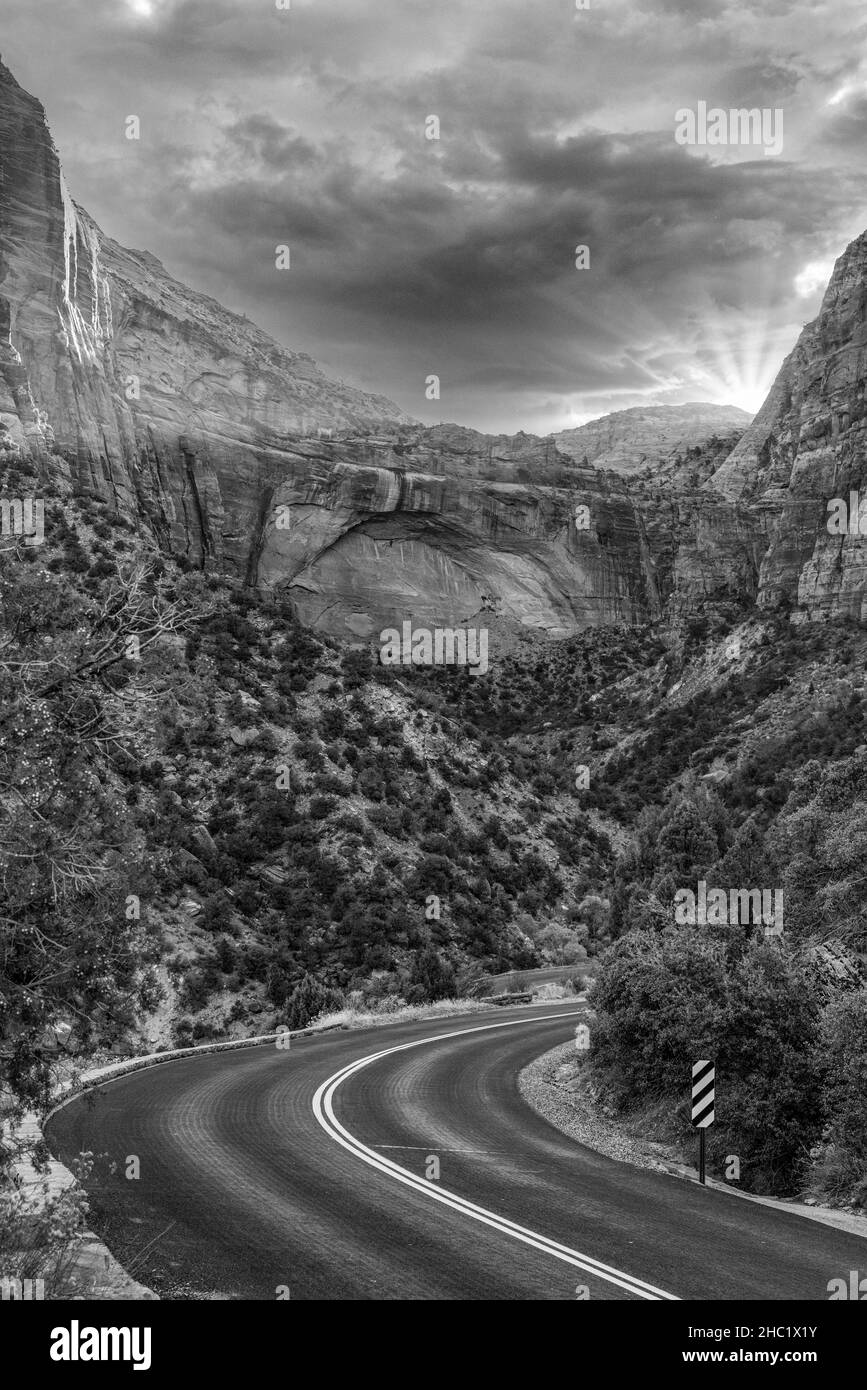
pixel 813 277
pixel 748 398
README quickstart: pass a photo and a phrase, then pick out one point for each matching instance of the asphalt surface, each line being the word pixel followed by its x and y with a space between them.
pixel 310 1171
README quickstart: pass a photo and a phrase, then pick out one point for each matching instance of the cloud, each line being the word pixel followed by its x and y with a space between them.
pixel 457 256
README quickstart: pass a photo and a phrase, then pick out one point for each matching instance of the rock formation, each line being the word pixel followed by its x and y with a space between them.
pixel 441 525
pixel 156 397
pixel 628 441
pixel 807 446
pixel 239 454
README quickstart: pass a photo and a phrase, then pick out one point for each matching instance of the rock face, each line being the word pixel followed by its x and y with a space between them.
pixel 629 441
pixel 155 397
pixel 240 455
pixel 443 525
pixel 807 446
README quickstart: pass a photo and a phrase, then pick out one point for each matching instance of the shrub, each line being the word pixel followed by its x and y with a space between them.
pixel 431 978
pixel 665 999
pixel 842 1161
pixel 308 1000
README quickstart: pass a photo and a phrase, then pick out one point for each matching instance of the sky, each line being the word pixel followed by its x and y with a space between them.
pixel 456 257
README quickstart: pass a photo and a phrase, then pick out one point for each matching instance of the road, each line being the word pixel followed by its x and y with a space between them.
pixel 546 974
pixel 304 1171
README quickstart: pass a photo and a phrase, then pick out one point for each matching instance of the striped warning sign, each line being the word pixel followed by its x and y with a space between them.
pixel 702 1094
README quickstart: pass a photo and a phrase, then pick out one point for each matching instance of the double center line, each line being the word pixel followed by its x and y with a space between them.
pixel 323 1109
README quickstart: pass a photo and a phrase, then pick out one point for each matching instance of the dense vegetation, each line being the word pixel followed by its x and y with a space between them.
pixel 215 820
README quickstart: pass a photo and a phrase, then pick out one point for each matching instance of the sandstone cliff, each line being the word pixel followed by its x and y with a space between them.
pixel 807 445
pixel 241 455
pixel 156 397
pixel 442 525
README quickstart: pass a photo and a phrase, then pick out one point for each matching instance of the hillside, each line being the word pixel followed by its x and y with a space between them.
pixel 221 812
pixel 651 436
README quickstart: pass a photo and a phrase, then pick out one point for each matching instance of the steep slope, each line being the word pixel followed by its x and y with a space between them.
pixel 443 525
pixel 238 455
pixel 647 436
pixel 157 398
pixel 206 824
pixel 807 446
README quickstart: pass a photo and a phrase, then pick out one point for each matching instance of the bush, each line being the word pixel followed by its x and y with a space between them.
pixel 431 978
pixel 308 1000
pixel 665 999
pixel 842 1161
pixel 41 1230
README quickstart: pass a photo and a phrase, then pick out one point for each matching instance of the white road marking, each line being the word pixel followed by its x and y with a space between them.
pixel 323 1109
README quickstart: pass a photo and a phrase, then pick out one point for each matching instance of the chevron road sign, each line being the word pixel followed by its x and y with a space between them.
pixel 703 1089
pixel 702 1094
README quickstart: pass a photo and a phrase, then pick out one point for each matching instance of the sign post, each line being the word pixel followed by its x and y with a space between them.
pixel 703 1088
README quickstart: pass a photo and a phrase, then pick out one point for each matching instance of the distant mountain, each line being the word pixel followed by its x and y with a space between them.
pixel 628 441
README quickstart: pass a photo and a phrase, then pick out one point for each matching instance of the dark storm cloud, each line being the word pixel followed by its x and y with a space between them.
pixel 456 256
pixel 262 139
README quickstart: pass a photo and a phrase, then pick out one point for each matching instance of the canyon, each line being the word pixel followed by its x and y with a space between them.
pixel 209 435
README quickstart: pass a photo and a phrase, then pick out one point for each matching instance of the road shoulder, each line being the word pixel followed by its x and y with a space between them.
pixel 544 1086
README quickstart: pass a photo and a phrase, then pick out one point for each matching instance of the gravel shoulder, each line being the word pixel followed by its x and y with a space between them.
pixel 553 1087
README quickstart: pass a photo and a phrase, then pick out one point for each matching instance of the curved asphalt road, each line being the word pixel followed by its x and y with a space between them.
pixel 264 1168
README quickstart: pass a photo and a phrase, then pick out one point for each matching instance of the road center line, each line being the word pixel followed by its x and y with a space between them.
pixel 323 1109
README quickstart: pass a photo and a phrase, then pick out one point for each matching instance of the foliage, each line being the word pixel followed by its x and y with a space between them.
pixel 308 1000
pixel 665 999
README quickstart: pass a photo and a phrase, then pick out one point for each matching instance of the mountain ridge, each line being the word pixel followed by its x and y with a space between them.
pixel 212 437
pixel 627 440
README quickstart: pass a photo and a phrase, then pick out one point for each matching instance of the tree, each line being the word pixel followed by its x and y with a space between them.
pixel 660 1003
pixel 431 978
pixel 71 929
pixel 770 1111
pixel 842 1162
pixel 686 848
pixel 308 1000
pixel 663 1000
pixel 819 842
pixel 745 863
